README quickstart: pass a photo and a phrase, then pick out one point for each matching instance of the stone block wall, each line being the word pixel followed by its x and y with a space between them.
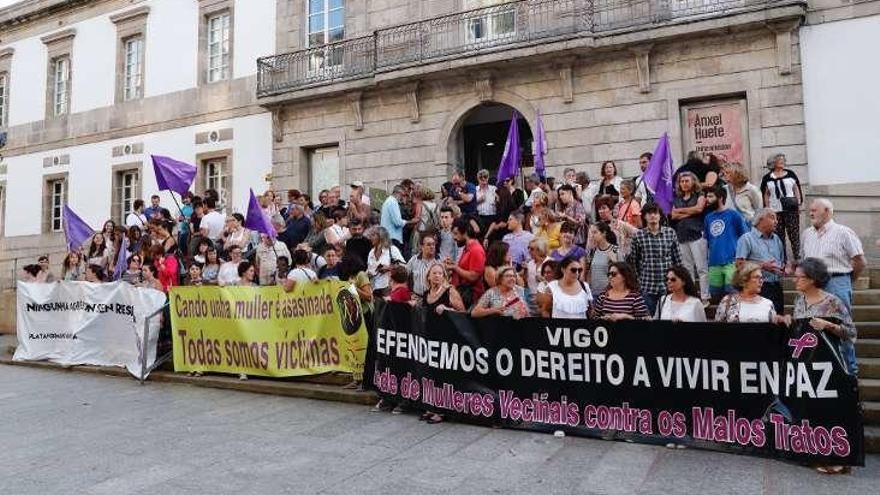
pixel 609 117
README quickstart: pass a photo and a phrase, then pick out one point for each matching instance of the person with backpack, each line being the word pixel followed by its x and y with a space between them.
pixel 427 212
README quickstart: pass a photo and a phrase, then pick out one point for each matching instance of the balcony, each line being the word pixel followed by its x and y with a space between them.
pixel 511 25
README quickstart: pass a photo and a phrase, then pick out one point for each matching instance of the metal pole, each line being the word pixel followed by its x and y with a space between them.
pixel 144 350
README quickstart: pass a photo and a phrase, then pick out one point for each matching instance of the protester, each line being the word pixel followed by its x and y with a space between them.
pixel 621 300
pixel 392 220
pixel 382 257
pixel 826 311
pixel 419 264
pixel 200 255
pixel 358 244
pixel 782 192
pixel 72 267
pixel 447 247
pixel 212 223
pixel 467 273
pixel 624 232
pixel 195 275
pixel 399 291
pixel 161 233
pixel 654 250
pixel 330 271
pixel 266 258
pixel 149 278
pixel 761 245
pixel 517 239
pixel 440 296
pixel 302 268
pixel 746 305
pixel 548 229
pixel 602 252
pixel 155 211
pixel 235 234
pixel 682 302
pixel 505 299
pixel 246 275
pixel 337 233
pixel 496 257
pixel 629 208
pixel 33 274
pixel 297 229
pixel 642 194
pixel 837 246
pixel 572 211
pixel 568 296
pixel 167 267
pixel 688 212
pixel 722 228
pixel 133 273
pixel 283 268
pixel 98 252
pixel 746 196
pixel 428 214
pixel 486 200
pixel 228 274
pixel 567 247
pixel 609 184
pixel 211 268
pixel 137 218
pixel 462 194
pixel 45 268
pixel 532 269
pixel 504 206
pixel 94 274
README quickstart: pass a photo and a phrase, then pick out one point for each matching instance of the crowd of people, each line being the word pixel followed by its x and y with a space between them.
pixel 572 248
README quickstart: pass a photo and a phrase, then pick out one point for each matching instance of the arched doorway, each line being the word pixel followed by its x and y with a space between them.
pixel 482 136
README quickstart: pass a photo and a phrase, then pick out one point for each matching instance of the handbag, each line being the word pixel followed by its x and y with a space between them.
pixel 789 203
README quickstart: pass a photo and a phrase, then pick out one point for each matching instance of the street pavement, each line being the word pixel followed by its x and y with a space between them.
pixel 75 433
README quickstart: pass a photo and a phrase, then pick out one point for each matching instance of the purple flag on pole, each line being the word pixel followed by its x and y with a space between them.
pixel 121 259
pixel 257 220
pixel 658 175
pixel 511 158
pixel 172 175
pixel 540 147
pixel 76 230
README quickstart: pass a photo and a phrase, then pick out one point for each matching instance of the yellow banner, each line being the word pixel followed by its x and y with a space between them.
pixel 316 328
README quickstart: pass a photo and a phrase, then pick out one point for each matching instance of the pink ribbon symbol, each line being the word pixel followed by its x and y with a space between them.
pixel 798 345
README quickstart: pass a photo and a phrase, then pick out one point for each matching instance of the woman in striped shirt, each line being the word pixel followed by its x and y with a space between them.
pixel 621 300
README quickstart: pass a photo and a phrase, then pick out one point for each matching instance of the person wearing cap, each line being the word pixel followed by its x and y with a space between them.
pixel 359 187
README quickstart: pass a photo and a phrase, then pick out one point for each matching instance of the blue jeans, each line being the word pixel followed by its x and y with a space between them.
pixel 651 301
pixel 841 286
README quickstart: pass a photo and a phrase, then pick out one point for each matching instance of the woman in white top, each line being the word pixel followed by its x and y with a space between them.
pixel 747 305
pixel 235 234
pixel 746 197
pixel 682 302
pixel 568 296
pixel 381 258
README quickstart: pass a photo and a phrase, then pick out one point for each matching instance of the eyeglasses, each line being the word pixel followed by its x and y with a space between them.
pixel 671 279
pixel 576 271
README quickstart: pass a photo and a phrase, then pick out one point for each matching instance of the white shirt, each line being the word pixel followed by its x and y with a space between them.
pixel 136 220
pixel 213 223
pixel 834 244
pixel 302 275
pixel 568 306
pixel 382 280
pixel 488 196
pixel 691 310
pixel 228 274
pixel 761 311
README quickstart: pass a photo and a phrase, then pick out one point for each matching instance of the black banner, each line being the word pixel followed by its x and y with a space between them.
pixel 746 388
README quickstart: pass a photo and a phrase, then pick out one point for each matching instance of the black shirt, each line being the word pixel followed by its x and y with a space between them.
pixel 359 246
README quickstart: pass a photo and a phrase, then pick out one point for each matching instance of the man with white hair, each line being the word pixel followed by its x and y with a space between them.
pixel 835 244
pixel 761 245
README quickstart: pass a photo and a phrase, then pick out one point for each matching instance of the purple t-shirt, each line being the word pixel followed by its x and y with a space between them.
pixel 576 252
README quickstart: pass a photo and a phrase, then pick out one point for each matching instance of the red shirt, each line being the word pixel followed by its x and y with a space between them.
pixel 472 259
pixel 400 294
pixel 168 272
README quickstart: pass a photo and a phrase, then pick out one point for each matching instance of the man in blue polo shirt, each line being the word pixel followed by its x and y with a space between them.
pixel 762 246
pixel 722 228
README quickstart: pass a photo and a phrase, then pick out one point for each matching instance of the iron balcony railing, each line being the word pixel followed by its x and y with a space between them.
pixel 502 26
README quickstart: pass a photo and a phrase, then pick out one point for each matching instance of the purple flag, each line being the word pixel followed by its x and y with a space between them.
pixel 76 230
pixel 658 175
pixel 121 259
pixel 172 175
pixel 540 147
pixel 511 158
pixel 257 220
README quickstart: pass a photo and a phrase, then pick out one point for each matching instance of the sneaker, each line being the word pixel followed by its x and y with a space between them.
pixel 197 373
pixel 379 407
pixel 670 445
pixel 397 410
pixel 242 376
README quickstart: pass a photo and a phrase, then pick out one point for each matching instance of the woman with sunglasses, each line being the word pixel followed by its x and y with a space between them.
pixel 621 300
pixel 133 274
pixel 682 301
pixel 568 296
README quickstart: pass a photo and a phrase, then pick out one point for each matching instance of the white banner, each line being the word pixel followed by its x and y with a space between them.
pixel 72 323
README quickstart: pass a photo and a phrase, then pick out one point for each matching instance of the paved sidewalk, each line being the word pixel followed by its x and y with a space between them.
pixel 89 434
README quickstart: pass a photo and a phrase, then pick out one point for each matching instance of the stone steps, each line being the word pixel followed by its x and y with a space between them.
pixel 868 347
pixel 869 367
pixel 869 389
pixel 872 439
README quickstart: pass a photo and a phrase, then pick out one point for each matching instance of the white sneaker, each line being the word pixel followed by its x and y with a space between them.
pixel 242 376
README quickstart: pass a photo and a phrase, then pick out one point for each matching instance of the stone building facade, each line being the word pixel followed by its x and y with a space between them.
pixel 394 97
pixel 89 89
